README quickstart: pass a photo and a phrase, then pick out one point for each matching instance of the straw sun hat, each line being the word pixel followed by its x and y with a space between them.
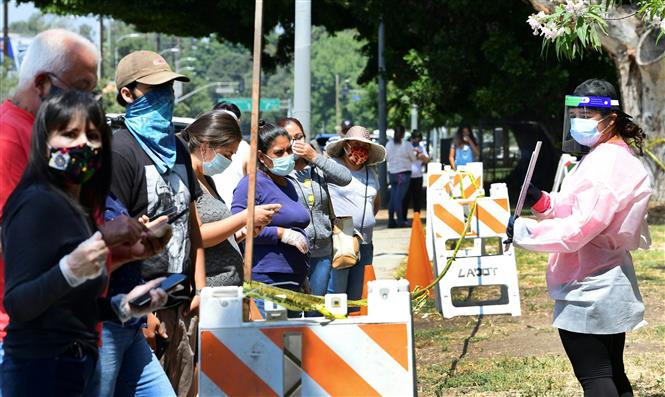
pixel 377 153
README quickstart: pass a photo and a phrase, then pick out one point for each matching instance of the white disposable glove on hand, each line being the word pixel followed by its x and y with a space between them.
pixel 86 262
pixel 296 239
pixel 158 297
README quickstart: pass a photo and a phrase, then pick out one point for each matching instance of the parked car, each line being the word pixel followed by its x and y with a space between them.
pixel 322 139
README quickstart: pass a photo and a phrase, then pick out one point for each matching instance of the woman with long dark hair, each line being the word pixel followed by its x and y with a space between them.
pixel 212 139
pixel 55 257
pixel 311 176
pixel 464 148
pixel 589 228
pixel 281 249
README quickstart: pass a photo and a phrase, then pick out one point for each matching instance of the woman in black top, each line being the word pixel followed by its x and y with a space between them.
pixel 55 258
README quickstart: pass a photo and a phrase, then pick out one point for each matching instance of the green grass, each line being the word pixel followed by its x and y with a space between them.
pixel 545 375
pixel 456 357
pixel 528 376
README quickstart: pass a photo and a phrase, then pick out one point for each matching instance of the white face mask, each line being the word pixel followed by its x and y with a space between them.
pixel 585 131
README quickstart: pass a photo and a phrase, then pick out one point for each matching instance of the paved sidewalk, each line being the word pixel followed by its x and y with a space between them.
pixel 391 246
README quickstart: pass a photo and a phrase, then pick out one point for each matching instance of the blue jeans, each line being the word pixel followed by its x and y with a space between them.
pixel 319 277
pixel 319 274
pixel 128 365
pixel 399 186
pixel 64 375
pixel 351 279
pixel 277 278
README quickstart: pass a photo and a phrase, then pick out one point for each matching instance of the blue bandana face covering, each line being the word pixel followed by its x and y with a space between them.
pixel 148 118
pixel 585 131
pixel 283 166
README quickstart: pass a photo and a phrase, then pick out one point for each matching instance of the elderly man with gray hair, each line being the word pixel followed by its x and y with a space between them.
pixel 56 60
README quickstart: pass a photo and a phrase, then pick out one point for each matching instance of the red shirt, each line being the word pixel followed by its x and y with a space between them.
pixel 15 139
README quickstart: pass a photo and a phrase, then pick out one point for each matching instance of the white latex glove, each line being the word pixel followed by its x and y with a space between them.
pixel 296 239
pixel 125 311
pixel 86 262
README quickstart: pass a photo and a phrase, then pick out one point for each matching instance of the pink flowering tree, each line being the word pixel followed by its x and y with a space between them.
pixel 632 34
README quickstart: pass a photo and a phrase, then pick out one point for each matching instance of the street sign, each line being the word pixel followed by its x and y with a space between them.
pixel 224 90
pixel 245 104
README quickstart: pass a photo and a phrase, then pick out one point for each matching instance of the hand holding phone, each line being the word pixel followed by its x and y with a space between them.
pixel 173 218
pixel 167 212
pixel 159 227
pixel 169 284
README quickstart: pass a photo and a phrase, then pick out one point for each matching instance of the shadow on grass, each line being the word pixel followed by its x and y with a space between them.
pixel 465 348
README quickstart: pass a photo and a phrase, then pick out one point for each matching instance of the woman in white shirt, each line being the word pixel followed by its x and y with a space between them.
pixel 399 155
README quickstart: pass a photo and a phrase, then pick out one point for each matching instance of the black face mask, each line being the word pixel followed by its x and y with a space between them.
pixel 76 164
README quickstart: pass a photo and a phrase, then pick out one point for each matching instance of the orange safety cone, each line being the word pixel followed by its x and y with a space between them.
pixel 369 276
pixel 418 267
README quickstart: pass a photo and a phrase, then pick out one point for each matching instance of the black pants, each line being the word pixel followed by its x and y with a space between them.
pixel 598 363
pixel 414 195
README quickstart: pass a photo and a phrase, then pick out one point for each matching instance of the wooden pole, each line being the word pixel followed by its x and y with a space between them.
pixel 251 166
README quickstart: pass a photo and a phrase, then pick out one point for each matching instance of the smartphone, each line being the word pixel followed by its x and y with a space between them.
pixel 173 218
pixel 168 285
pixel 167 212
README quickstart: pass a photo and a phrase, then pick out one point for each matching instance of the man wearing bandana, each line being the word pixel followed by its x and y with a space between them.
pixel 152 174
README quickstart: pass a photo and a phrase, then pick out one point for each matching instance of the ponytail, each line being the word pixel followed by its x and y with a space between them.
pixel 631 133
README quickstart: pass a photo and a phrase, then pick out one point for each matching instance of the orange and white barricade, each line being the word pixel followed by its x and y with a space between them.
pixel 364 355
pixel 445 183
pixel 482 260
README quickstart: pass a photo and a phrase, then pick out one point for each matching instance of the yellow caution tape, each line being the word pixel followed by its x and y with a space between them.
pixel 474 181
pixel 298 301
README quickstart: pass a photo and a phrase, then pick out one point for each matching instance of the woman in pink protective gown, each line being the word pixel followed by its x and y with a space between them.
pixel 589 229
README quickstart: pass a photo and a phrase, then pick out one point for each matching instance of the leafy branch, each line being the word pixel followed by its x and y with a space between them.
pixel 573 26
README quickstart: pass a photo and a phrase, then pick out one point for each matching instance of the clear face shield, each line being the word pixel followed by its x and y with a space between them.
pixel 582 108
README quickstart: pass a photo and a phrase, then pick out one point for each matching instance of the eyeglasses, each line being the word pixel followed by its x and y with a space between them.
pixel 61 81
pixel 97 94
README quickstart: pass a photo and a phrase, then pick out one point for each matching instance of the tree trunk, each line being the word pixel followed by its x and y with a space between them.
pixel 640 62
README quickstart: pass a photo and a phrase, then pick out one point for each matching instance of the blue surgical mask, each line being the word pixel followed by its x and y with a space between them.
pixel 148 118
pixel 283 166
pixel 218 164
pixel 585 131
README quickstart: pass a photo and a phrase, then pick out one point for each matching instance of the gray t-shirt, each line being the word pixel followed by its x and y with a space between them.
pixel 350 200
pixel 311 188
pixel 224 263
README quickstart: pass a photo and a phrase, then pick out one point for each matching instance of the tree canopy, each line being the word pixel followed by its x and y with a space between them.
pixel 472 59
pixel 232 20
